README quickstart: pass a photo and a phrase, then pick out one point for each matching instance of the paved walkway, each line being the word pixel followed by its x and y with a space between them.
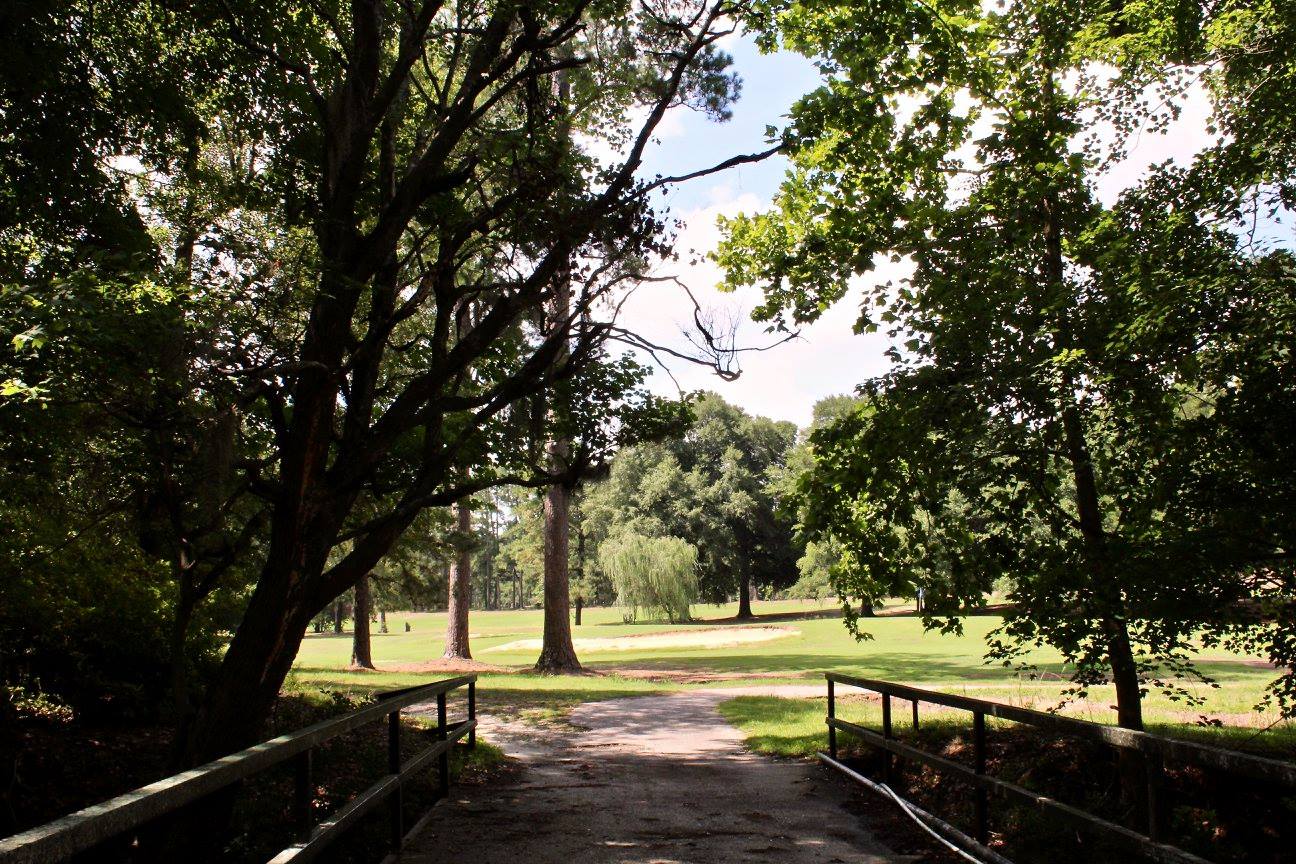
pixel 655 780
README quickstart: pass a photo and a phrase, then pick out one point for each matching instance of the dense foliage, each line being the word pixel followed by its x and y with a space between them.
pixel 656 575
pixel 277 279
pixel 1074 401
pixel 711 487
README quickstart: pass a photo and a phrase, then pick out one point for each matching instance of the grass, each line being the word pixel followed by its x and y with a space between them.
pixel 794 727
pixel 779 727
pixel 900 651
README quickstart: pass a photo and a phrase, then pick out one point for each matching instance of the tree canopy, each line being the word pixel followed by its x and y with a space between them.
pixel 1068 371
pixel 286 270
pixel 709 486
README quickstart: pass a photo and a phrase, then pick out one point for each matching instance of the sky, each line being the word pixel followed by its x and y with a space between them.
pixel 828 358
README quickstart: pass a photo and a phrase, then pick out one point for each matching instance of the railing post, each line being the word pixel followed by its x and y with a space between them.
pixel 1154 768
pixel 915 715
pixel 472 714
pixel 303 794
pixel 394 767
pixel 445 754
pixel 886 733
pixel 979 755
pixel 832 715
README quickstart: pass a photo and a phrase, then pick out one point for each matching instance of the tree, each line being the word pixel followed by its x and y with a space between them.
pixel 459 591
pixel 655 574
pixel 361 645
pixel 709 486
pixel 1022 431
pixel 373 170
pixel 814 569
pixel 557 651
pixel 733 453
pixel 1237 458
pixel 819 558
pixel 100 308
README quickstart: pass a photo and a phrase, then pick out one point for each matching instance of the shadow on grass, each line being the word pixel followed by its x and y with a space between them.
pixel 778 727
pixel 890 665
pixel 503 694
pixel 756 621
pixel 795 727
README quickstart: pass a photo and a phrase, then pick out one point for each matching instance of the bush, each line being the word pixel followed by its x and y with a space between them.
pixel 656 574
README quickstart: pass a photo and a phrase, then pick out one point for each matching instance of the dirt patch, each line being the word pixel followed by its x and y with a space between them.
pixel 1251 662
pixel 441 664
pixel 720 637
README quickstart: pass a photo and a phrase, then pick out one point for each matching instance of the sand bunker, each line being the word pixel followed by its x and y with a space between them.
pixel 441 664
pixel 720 637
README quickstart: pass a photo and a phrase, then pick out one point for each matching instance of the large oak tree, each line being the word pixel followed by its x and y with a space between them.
pixel 334 185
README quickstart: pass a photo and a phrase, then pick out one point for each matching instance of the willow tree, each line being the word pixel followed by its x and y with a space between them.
pixel 653 574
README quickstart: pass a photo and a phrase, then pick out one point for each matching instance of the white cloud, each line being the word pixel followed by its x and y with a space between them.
pixel 671 127
pixel 1179 142
pixel 784 382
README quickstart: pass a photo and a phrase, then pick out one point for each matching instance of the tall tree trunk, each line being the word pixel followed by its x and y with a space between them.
pixel 180 696
pixel 1120 654
pixel 578 567
pixel 361 647
pixel 495 581
pixel 338 613
pixel 557 653
pixel 169 396
pixel 460 589
pixel 744 597
pixel 180 622
pixel 382 620
pixel 254 668
pixel 1129 696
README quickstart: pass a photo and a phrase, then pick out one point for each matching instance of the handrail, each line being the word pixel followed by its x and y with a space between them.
pixel 86 828
pixel 1188 752
pixel 1154 750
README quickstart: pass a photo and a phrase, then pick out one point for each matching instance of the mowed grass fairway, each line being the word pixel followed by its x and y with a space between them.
pixel 899 651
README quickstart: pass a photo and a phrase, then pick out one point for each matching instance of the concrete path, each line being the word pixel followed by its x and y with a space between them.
pixel 654 780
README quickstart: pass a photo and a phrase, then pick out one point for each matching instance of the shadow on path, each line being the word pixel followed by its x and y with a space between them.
pixel 650 780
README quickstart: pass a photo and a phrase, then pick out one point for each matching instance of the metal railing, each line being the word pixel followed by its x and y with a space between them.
pixel 85 829
pixel 1154 752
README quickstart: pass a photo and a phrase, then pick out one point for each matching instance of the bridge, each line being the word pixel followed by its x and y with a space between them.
pixel 646 779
